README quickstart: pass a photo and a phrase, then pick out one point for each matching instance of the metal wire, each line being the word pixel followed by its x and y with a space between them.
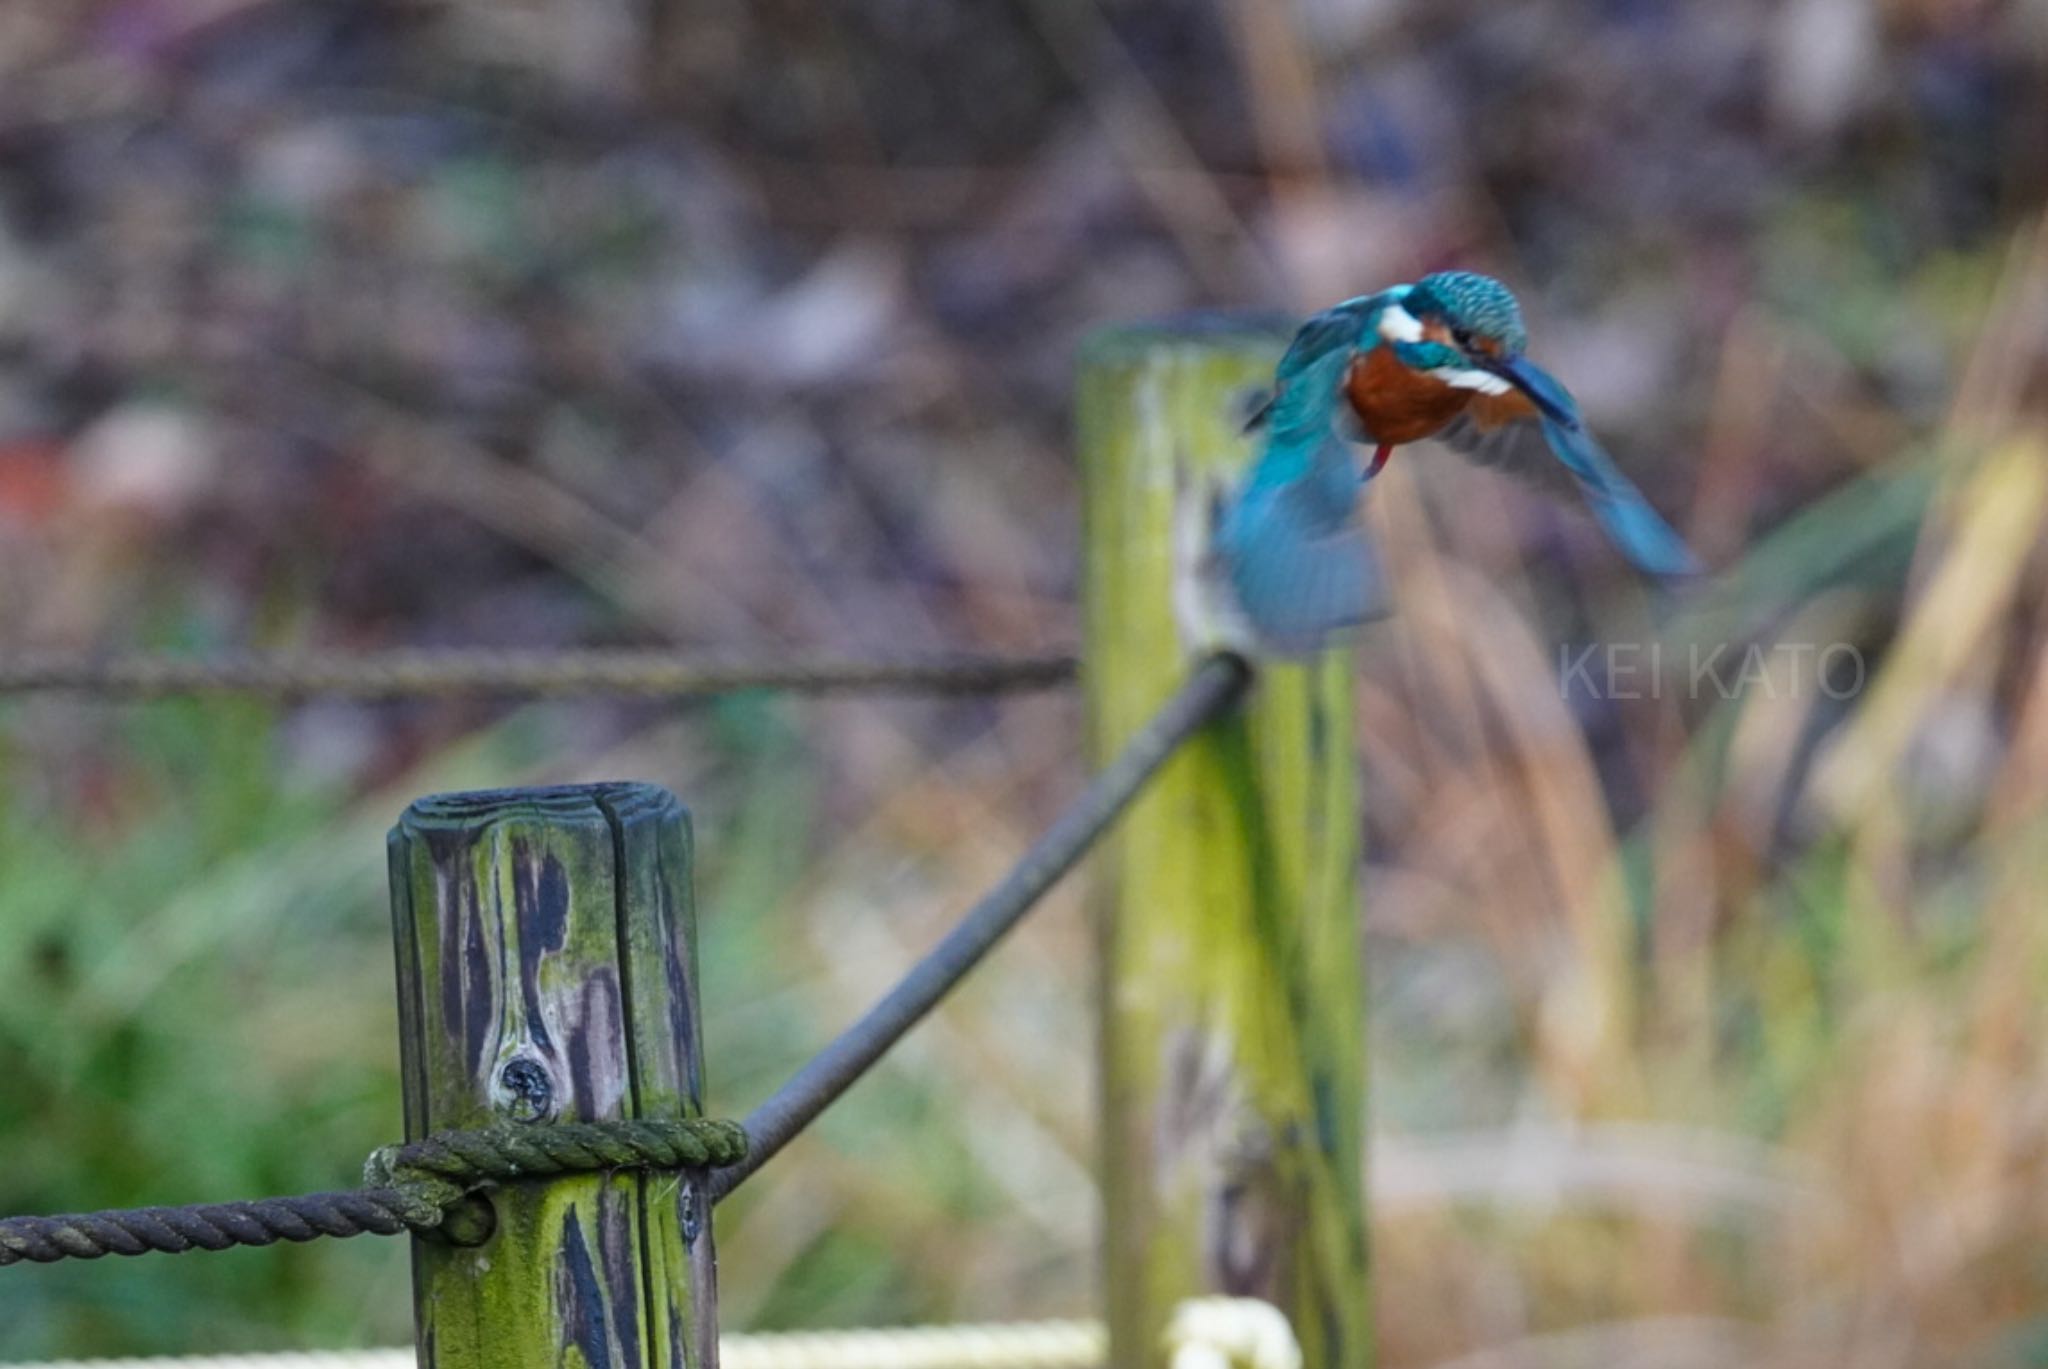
pixel 412 1187
pixel 452 671
pixel 1215 686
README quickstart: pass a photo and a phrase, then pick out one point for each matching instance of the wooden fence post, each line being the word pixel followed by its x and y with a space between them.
pixel 1231 976
pixel 547 973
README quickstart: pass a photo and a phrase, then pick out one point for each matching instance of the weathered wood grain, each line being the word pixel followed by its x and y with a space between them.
pixel 1231 992
pixel 546 944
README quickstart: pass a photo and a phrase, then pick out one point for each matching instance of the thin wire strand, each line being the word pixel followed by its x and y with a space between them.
pixel 444 672
pixel 1217 684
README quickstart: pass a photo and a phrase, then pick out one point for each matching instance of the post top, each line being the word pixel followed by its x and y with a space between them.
pixel 602 802
pixel 1213 327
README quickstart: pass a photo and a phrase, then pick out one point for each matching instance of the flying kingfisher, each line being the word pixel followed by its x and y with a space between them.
pixel 1441 358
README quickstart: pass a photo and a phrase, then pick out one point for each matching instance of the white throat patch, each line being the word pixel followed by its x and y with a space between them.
pixel 1398 325
pixel 1486 382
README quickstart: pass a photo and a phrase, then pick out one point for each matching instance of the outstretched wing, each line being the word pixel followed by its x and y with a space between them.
pixel 1506 433
pixel 1539 436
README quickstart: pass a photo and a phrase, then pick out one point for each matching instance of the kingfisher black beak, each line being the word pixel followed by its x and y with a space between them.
pixel 1546 394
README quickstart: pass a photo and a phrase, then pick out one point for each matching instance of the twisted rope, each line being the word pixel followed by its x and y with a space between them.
pixel 401 674
pixel 1203 1332
pixel 1013 1345
pixel 415 1186
pixel 1001 1345
pixel 202 1226
pixel 410 1187
pixel 1210 1332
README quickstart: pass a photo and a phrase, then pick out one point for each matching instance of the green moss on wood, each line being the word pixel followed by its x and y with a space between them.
pixel 545 946
pixel 1232 1000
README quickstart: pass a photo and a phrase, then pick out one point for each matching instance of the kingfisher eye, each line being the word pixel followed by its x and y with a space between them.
pixel 1463 337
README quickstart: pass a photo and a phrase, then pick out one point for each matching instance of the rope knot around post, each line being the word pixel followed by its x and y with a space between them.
pixel 411 1187
pixel 433 1174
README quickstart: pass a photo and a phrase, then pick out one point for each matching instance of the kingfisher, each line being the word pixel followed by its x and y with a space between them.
pixel 1441 358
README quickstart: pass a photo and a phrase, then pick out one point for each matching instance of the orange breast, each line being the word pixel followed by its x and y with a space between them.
pixel 1395 404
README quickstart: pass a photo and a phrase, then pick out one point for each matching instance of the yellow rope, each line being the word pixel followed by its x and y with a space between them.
pixel 1018 1345
pixel 1225 1333
pixel 1222 1332
pixel 356 1359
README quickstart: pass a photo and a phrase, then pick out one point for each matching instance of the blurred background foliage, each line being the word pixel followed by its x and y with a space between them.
pixel 1709 1022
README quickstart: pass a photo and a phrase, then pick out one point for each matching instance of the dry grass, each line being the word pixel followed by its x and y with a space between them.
pixel 1708 1030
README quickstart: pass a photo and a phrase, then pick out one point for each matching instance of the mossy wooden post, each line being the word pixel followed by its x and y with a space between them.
pixel 1231 992
pixel 546 973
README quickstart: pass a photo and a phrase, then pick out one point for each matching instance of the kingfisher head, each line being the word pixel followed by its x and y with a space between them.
pixel 1466 330
pixel 1475 314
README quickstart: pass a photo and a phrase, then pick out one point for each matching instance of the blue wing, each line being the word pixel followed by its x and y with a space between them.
pixel 1298 560
pixel 1303 393
pixel 1556 441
